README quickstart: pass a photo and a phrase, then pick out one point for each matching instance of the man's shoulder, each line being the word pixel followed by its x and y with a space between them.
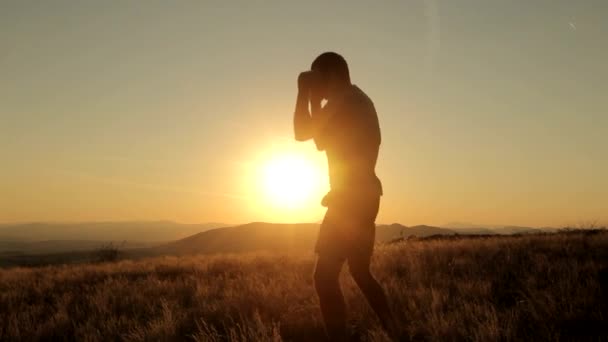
pixel 357 100
pixel 356 93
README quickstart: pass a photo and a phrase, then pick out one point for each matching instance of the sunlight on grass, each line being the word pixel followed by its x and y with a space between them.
pixel 537 287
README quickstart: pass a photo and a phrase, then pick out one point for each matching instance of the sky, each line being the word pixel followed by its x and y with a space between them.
pixel 492 112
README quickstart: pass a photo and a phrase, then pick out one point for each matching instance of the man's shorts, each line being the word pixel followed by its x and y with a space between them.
pixel 349 226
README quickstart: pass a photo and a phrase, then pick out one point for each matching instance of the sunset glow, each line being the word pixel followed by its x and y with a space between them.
pixel 290 181
pixel 491 113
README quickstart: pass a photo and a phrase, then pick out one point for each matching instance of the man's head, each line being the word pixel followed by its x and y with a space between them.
pixel 333 74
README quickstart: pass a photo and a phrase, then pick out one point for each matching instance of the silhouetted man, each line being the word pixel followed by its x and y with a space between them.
pixel 347 129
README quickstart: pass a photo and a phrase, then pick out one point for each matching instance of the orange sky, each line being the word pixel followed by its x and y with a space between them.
pixel 490 113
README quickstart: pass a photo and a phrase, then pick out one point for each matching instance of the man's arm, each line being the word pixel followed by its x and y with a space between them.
pixel 302 121
pixel 307 125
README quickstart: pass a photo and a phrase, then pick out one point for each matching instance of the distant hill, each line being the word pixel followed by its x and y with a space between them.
pixel 475 231
pixel 385 233
pixel 145 232
pixel 61 246
pixel 244 238
pixel 517 230
pixel 472 228
pixel 467 226
pixel 274 237
pixel 166 237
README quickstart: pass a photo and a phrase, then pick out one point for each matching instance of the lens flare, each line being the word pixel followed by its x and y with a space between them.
pixel 290 181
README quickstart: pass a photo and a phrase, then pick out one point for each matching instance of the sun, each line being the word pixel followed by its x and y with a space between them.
pixel 291 181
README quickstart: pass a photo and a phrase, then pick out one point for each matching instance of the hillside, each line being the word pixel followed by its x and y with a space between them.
pixel 472 228
pixel 144 232
pixel 245 238
pixel 58 246
pixel 261 236
pixel 517 230
pixel 386 233
pixel 505 288
pixel 25 244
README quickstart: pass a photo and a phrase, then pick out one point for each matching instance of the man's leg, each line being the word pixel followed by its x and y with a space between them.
pixel 373 292
pixel 327 284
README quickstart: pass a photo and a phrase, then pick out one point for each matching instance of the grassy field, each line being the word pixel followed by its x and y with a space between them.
pixel 537 287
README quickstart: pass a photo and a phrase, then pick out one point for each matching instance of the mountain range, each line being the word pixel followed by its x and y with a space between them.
pixel 165 237
pixel 140 231
pixel 285 238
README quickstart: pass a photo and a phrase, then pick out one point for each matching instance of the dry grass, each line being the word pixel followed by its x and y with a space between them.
pixel 546 287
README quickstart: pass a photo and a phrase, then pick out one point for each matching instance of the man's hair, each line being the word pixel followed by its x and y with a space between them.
pixel 331 63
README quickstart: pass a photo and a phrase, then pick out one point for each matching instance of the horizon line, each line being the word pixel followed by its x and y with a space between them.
pixel 224 224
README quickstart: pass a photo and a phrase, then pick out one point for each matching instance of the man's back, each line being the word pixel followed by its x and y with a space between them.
pixel 351 139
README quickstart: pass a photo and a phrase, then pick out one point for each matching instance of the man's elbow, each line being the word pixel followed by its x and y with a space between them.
pixel 301 132
pixel 302 136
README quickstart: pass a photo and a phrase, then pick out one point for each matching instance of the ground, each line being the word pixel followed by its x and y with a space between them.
pixel 532 287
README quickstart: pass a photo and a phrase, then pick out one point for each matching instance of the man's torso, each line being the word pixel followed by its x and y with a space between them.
pixel 351 139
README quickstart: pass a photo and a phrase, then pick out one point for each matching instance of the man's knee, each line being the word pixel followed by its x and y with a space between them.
pixel 324 280
pixel 360 272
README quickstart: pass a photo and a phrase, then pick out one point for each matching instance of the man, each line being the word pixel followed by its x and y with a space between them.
pixel 347 129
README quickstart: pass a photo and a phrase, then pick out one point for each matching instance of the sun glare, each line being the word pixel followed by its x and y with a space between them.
pixel 290 181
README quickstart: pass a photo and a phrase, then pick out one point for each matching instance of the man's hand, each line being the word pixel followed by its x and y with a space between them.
pixel 308 107
pixel 307 80
pixel 307 83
